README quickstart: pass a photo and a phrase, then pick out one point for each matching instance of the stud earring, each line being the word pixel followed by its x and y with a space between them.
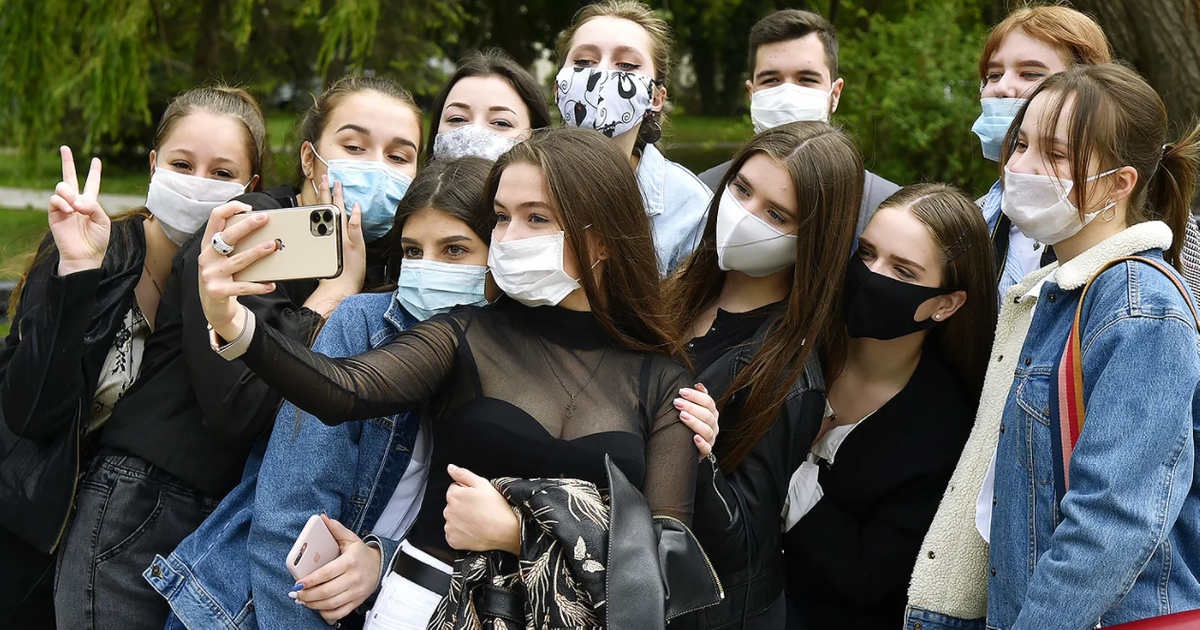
pixel 937 316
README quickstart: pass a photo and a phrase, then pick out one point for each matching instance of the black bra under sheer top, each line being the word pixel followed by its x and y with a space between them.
pixel 509 391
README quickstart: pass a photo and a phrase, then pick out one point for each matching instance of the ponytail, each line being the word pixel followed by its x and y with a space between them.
pixel 1172 188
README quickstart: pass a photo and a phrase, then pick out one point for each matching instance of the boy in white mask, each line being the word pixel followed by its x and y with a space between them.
pixel 793 77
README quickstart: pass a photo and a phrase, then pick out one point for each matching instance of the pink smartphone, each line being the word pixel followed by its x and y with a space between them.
pixel 314 548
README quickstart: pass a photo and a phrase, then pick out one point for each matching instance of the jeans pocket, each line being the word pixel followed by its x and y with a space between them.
pixel 133 509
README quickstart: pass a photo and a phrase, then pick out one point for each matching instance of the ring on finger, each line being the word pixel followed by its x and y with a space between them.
pixel 219 244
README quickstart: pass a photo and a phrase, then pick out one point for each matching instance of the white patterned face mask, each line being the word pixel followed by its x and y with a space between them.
pixel 609 101
pixel 471 140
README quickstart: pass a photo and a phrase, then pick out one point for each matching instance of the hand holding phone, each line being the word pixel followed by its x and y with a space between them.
pixel 313 549
pixel 308 244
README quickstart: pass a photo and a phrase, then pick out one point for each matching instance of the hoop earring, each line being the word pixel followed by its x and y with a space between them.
pixel 1109 219
pixel 651 131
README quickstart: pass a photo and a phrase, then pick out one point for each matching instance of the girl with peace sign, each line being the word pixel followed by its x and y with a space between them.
pixel 82 316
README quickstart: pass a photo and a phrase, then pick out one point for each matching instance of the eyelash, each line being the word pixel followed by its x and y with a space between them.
pixel 538 219
pixel 503 123
pixel 181 165
pixel 455 251
pixel 776 217
pixel 628 67
pixel 411 253
pixel 502 218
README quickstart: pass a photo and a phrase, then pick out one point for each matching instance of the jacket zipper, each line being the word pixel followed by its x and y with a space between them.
pixel 716 578
pixel 75 484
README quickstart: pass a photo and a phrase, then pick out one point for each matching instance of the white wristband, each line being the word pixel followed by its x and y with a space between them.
pixel 236 348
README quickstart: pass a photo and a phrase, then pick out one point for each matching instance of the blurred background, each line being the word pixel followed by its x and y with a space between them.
pixel 98 74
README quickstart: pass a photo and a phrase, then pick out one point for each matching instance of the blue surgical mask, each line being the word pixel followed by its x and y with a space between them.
pixel 992 125
pixel 428 287
pixel 376 187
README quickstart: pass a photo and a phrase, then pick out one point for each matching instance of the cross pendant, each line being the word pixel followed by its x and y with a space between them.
pixel 571 407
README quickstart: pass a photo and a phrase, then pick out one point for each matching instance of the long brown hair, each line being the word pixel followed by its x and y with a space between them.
pixel 662 42
pixel 219 100
pixel 960 236
pixel 827 175
pixel 1120 120
pixel 627 299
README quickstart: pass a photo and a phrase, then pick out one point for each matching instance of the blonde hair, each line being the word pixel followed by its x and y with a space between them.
pixel 1075 35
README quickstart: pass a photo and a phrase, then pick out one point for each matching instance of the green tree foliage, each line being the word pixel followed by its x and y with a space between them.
pixel 912 91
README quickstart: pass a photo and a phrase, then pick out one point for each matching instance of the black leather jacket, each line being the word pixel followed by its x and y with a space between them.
pixel 49 369
pixel 737 517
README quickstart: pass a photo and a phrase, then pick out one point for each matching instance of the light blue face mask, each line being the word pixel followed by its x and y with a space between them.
pixel 428 288
pixel 376 187
pixel 992 125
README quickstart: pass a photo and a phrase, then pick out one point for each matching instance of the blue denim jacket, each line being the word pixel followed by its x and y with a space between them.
pixel 677 202
pixel 350 471
pixel 1125 544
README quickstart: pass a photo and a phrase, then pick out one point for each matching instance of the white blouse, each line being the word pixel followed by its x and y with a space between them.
pixel 121 366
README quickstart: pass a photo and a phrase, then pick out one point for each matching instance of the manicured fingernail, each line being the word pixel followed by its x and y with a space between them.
pixel 298 587
pixel 685 415
pixel 451 468
pixel 679 403
pixel 683 392
pixel 292 595
pixel 298 602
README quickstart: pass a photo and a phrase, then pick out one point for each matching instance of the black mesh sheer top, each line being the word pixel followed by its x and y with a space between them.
pixel 510 391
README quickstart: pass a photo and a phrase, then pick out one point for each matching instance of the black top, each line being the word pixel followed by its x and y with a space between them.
pixel 728 331
pixel 850 558
pixel 50 367
pixel 511 391
pixel 190 412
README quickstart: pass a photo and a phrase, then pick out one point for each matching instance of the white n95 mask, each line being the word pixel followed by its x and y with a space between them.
pixel 748 244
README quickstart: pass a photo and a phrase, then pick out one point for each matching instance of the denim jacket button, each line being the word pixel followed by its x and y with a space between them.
pixel 993 571
pixel 156 572
pixel 1002 428
pixel 1051 298
pixel 999 358
pixel 993 501
pixel 1028 361
pixel 917 625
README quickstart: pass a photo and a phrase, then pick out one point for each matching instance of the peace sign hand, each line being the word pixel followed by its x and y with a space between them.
pixel 78 223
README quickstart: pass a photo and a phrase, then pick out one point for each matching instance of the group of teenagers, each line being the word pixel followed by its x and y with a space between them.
pixel 563 382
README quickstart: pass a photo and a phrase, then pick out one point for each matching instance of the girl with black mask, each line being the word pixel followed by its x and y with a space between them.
pixel 919 307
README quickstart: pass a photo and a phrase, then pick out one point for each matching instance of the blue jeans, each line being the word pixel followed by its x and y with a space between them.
pixel 126 511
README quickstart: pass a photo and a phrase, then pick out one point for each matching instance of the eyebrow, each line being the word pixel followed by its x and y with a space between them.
pixel 405 142
pixel 457 238
pixel 352 127
pixel 809 72
pixel 904 261
pixel 627 49
pixel 524 204
pixel 501 108
pixel 458 105
pixel 216 160
pixel 765 74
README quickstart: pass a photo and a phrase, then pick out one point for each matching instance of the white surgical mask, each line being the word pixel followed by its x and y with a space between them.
pixel 471 140
pixel 993 123
pixel 428 287
pixel 530 270
pixel 1040 206
pixel 788 103
pixel 609 101
pixel 182 203
pixel 748 244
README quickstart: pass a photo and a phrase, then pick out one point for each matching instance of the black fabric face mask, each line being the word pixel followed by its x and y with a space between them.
pixel 879 307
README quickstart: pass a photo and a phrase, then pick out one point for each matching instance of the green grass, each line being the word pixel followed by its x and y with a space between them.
pixel 47 172
pixel 708 130
pixel 20 233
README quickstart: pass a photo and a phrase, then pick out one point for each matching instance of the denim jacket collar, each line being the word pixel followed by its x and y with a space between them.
pixel 1076 272
pixel 395 319
pixel 652 175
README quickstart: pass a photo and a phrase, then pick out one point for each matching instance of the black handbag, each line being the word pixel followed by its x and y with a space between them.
pixel 657 570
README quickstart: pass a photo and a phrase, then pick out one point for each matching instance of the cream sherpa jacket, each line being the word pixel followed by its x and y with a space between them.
pixel 951 574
